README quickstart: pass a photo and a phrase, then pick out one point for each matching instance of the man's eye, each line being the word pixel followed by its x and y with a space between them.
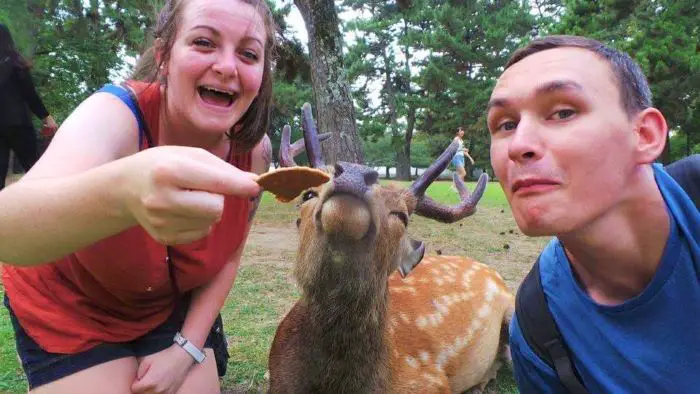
pixel 564 114
pixel 308 195
pixel 507 126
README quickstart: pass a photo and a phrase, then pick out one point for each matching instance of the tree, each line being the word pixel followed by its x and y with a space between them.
pixel 382 55
pixel 333 103
pixel 76 46
pixel 467 44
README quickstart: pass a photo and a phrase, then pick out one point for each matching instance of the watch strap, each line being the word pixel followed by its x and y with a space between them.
pixel 190 348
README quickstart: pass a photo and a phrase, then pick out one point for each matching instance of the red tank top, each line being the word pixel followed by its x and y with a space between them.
pixel 119 288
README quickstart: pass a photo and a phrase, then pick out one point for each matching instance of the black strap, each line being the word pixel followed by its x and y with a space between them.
pixel 687 173
pixel 534 317
pixel 540 330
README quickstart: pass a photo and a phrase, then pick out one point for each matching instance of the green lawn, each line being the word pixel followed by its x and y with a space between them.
pixel 264 289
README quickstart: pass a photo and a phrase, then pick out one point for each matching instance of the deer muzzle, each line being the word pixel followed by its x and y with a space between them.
pixel 346 210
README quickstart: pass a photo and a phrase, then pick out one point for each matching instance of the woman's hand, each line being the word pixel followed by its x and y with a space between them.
pixel 177 193
pixel 162 372
pixel 49 124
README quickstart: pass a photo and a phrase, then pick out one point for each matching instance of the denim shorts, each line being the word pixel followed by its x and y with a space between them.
pixel 458 160
pixel 42 367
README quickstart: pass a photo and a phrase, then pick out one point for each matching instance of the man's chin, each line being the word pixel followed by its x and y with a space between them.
pixel 535 227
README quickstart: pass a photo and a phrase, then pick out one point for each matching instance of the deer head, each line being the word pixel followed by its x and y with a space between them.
pixel 354 225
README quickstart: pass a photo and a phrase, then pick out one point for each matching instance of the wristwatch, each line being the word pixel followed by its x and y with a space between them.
pixel 190 348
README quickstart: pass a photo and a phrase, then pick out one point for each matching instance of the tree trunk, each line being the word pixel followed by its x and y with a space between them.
pixel 333 104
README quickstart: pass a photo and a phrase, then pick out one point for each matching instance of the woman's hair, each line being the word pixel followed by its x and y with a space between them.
pixel 254 123
pixel 460 128
pixel 9 55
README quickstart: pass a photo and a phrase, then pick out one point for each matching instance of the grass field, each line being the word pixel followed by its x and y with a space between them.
pixel 265 289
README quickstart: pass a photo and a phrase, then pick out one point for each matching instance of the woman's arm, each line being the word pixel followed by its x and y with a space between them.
pixel 466 153
pixel 91 184
pixel 73 195
pixel 31 97
pixel 208 300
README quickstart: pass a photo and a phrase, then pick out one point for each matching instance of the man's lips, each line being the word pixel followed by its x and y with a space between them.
pixel 533 185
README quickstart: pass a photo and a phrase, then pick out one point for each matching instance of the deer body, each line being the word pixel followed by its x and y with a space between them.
pixel 444 330
pixel 448 326
pixel 363 325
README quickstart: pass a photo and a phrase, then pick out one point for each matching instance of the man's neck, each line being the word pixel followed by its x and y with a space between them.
pixel 615 257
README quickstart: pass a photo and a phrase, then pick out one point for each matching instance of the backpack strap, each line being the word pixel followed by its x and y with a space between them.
pixel 540 331
pixel 534 317
pixel 686 172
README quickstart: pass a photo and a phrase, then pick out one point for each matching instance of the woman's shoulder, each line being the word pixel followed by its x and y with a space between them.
pixel 261 156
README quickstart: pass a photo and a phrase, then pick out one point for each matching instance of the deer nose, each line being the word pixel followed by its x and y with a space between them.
pixel 353 178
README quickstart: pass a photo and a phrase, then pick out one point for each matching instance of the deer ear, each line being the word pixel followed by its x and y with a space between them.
pixel 410 260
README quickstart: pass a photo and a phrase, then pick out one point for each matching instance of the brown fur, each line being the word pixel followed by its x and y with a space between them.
pixel 361 328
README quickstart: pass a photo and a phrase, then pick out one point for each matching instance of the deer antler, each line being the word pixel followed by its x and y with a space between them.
pixel 311 142
pixel 429 208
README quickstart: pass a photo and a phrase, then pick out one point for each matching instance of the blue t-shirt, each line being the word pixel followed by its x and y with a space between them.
pixel 648 344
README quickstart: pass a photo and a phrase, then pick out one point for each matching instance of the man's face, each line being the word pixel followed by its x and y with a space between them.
pixel 562 145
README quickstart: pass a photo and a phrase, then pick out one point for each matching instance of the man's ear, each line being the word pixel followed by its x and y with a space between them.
pixel 652 132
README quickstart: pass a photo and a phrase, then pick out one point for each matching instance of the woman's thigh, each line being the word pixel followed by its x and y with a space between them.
pixel 112 377
pixel 202 378
pixel 461 171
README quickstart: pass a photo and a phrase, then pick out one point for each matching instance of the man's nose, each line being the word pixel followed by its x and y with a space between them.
pixel 525 144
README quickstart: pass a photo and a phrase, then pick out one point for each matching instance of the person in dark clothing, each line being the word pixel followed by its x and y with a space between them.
pixel 17 95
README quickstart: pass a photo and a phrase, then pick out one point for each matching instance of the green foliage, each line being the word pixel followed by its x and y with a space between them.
pixel 662 36
pixel 75 46
pixel 435 64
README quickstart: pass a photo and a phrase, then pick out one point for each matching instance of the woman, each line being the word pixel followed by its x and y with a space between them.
pixel 17 92
pixel 141 206
pixel 458 159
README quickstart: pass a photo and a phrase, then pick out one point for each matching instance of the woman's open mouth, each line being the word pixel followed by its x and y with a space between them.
pixel 217 97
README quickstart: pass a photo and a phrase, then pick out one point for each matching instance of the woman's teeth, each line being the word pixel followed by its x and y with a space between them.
pixel 216 97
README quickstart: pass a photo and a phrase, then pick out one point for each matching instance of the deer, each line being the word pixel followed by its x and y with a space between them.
pixel 376 315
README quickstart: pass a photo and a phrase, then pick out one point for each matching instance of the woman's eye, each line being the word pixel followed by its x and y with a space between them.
pixel 564 114
pixel 203 42
pixel 308 195
pixel 251 55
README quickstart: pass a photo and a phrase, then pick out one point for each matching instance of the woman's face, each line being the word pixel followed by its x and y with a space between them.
pixel 215 68
pixel 460 133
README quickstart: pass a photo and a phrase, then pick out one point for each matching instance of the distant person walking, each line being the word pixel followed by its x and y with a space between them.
pixel 462 152
pixel 17 94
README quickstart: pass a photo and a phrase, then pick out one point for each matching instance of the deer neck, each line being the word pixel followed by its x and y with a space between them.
pixel 348 306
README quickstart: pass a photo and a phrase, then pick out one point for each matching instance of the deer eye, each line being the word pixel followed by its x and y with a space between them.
pixel 402 216
pixel 308 195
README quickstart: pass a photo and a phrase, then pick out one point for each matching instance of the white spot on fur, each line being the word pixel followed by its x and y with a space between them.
pixel 491 290
pixel 402 289
pixel 484 311
pixel 424 357
pixel 404 317
pixel 412 362
pixel 421 322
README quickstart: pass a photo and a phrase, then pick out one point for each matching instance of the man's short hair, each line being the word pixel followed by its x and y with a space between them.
pixel 631 82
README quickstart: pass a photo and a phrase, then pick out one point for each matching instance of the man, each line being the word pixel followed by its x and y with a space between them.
pixel 573 141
